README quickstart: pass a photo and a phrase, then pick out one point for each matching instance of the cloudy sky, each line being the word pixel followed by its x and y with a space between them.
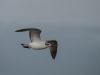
pixel 74 23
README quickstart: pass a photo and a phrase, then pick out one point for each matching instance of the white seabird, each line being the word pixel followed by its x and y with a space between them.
pixel 37 43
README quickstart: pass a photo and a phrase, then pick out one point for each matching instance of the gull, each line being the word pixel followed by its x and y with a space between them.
pixel 38 44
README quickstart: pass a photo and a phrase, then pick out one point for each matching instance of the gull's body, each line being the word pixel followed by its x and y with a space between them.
pixel 37 43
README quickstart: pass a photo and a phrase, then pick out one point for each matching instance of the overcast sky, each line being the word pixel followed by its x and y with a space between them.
pixel 75 24
pixel 70 11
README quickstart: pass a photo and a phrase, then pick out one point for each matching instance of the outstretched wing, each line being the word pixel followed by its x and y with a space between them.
pixel 53 48
pixel 34 33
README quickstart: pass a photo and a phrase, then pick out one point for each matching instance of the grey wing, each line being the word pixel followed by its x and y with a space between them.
pixel 53 48
pixel 34 33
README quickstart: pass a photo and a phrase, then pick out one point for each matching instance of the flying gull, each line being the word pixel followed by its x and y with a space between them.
pixel 36 42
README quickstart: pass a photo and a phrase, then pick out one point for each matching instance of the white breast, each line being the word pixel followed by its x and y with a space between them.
pixel 38 45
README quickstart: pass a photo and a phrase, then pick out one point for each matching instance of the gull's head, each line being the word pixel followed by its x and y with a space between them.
pixel 48 44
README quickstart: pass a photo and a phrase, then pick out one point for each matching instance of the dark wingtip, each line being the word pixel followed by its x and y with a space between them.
pixel 17 31
pixel 53 56
pixel 28 29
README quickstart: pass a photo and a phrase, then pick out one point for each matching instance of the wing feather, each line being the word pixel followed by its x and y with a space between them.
pixel 34 33
pixel 53 48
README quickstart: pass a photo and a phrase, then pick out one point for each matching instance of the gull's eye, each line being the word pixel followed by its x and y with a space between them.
pixel 48 44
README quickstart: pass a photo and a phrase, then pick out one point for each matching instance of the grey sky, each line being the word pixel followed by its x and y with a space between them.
pixel 70 11
pixel 74 23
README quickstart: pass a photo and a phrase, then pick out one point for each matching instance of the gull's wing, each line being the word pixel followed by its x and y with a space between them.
pixel 53 48
pixel 34 33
